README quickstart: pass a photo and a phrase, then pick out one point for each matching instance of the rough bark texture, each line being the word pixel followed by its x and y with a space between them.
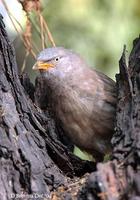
pixel 36 161
pixel 32 160
pixel 120 178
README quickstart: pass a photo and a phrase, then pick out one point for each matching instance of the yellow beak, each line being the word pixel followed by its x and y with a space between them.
pixel 42 65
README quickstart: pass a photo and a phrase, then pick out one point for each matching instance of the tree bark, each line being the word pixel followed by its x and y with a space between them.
pixel 37 164
pixel 32 160
pixel 120 178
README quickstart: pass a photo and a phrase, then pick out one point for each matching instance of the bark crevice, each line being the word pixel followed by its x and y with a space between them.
pixel 33 157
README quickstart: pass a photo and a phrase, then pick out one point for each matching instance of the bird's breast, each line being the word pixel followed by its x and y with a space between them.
pixel 82 117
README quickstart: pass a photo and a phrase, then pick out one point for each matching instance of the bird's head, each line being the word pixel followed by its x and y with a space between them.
pixel 58 60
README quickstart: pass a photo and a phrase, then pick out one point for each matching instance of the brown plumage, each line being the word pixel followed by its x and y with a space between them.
pixel 81 98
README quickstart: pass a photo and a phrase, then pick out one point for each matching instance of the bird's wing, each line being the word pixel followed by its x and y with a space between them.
pixel 95 86
pixel 98 93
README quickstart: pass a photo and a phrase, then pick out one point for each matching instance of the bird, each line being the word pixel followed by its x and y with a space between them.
pixel 81 98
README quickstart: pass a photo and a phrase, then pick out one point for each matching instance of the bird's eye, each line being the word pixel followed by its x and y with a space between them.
pixel 57 59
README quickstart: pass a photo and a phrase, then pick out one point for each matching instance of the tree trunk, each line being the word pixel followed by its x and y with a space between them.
pixel 32 159
pixel 37 164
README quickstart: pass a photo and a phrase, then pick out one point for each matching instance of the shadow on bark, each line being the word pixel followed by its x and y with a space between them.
pixel 36 160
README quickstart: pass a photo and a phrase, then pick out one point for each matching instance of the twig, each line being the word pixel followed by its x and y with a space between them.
pixel 10 15
pixel 41 30
pixel 24 62
pixel 49 33
pixel 24 42
pixel 37 29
